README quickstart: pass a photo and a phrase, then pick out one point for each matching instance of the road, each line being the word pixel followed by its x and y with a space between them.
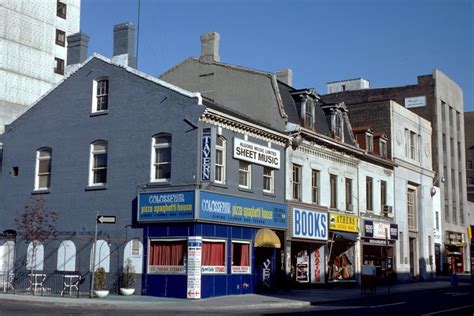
pixel 452 301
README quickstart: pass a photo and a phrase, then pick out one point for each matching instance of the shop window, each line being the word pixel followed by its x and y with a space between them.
pixel 369 185
pixel 268 180
pixel 161 158
pixel 61 9
pixel 240 257
pixel 315 177
pixel 98 163
pixel 66 256
pixel 59 66
pixel 333 186
pixel 245 175
pixel 213 256
pixel 100 97
pixel 60 38
pixel 296 182
pixel 349 205
pixel 43 169
pixel 220 164
pixel 167 256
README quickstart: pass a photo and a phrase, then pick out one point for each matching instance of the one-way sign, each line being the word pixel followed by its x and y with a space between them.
pixel 105 219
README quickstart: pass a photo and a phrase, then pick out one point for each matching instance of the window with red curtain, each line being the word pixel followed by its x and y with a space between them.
pixel 167 252
pixel 241 254
pixel 213 253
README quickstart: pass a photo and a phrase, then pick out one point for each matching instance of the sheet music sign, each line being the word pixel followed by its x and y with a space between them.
pixel 206 155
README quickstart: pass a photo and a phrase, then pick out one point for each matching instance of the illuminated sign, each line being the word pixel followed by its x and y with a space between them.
pixel 165 206
pixel 343 222
pixel 254 153
pixel 310 224
pixel 236 210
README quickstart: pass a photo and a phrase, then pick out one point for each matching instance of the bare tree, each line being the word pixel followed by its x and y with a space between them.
pixel 36 224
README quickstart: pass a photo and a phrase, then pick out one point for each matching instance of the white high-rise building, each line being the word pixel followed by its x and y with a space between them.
pixel 32 50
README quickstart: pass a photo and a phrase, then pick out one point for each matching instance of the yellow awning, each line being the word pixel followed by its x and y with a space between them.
pixel 267 238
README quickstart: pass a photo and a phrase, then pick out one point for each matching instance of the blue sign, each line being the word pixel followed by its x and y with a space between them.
pixel 310 224
pixel 241 211
pixel 166 206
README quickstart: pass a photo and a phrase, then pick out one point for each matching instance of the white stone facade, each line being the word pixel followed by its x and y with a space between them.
pixel 28 46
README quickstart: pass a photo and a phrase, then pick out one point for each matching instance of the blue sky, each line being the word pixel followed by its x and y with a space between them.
pixel 389 42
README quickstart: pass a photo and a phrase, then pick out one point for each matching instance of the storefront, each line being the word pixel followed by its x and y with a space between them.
pixel 343 235
pixel 200 244
pixel 378 247
pixel 455 245
pixel 306 245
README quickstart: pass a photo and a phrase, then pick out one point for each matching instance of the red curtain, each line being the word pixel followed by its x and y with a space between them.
pixel 167 253
pixel 240 254
pixel 213 253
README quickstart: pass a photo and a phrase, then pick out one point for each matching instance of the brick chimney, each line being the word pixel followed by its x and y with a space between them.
pixel 210 47
pixel 124 45
pixel 285 76
pixel 77 45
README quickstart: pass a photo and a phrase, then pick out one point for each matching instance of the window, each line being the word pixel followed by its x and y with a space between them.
pixel 161 158
pixel 461 214
pixel 383 194
pixel 296 182
pixel 337 125
pixel 333 185
pixel 369 140
pixel 309 114
pixel 411 208
pixel 245 173
pixel 400 242
pixel 446 210
pixel 35 256
pixel 98 171
pixel 135 247
pixel 15 172
pixel 213 256
pixel 100 99
pixel 220 160
pixel 437 220
pixel 268 180
pixel 60 38
pixel 369 185
pixel 349 205
pixel 315 186
pixel 167 256
pixel 59 68
pixel 61 10
pixel 470 181
pixel 66 256
pixel 469 164
pixel 43 169
pixel 383 148
pixel 411 145
pixel 240 256
pixel 413 140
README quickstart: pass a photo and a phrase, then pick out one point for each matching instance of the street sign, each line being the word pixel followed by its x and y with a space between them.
pixel 106 219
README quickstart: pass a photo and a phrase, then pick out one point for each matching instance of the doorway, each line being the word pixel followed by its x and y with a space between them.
pixel 413 256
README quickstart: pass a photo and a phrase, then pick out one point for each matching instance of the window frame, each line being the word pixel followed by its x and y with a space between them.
pixel 59 66
pixel 235 269
pixel 348 183
pixel 154 164
pixel 316 186
pixel 411 218
pixel 247 172
pixel 60 38
pixel 338 126
pixel 271 178
pixel 383 193
pixel 296 182
pixel 92 167
pixel 220 148
pixel 39 159
pixel 99 95
pixel 369 142
pixel 369 194
pixel 61 10
pixel 383 148
pixel 214 269
pixel 333 191
pixel 172 269
pixel 309 114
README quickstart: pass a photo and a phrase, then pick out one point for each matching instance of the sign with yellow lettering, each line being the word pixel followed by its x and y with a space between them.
pixel 165 206
pixel 343 222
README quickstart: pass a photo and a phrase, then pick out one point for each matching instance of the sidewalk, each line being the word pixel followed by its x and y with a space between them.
pixel 290 299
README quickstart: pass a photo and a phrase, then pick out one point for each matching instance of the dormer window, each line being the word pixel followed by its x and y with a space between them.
pixel 309 114
pixel 383 148
pixel 337 125
pixel 369 141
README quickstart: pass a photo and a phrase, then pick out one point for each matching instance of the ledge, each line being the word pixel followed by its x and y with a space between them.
pixel 41 191
pixel 99 113
pixel 96 187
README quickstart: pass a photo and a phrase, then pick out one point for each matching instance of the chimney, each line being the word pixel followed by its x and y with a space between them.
pixel 210 47
pixel 77 45
pixel 285 76
pixel 124 45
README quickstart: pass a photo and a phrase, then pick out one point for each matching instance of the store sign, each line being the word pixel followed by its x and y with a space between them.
pixel 310 224
pixel 415 102
pixel 343 222
pixel 213 269
pixel 194 267
pixel 374 229
pixel 240 269
pixel 165 206
pixel 302 269
pixel 254 153
pixel 167 269
pixel 206 155
pixel 318 275
pixel 236 210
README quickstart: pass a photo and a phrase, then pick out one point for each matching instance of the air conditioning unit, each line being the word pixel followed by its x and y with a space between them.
pixel 387 210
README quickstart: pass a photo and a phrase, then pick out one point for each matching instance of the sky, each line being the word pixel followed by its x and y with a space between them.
pixel 388 42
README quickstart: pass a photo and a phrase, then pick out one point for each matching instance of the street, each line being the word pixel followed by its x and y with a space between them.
pixel 448 301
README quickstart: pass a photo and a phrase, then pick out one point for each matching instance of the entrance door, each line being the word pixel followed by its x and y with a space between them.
pixel 413 263
pixel 265 268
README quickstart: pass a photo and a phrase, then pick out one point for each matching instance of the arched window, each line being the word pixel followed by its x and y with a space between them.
pixel 7 257
pixel 134 251
pixel 161 158
pixel 43 169
pixel 102 256
pixel 35 256
pixel 220 164
pixel 66 256
pixel 98 163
